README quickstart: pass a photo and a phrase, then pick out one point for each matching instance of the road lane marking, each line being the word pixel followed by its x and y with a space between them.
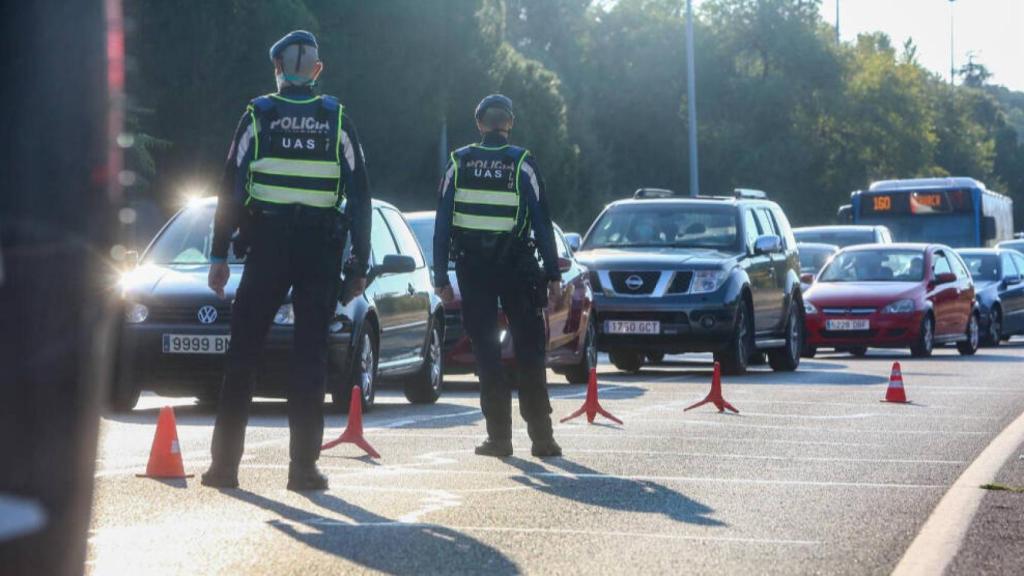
pixel 762 457
pixel 815 428
pixel 942 534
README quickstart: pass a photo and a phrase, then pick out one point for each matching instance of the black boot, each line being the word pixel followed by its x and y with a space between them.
pixel 546 448
pixel 303 477
pixel 496 448
pixel 220 477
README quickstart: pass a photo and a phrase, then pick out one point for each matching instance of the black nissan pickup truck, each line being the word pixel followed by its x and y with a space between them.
pixel 714 274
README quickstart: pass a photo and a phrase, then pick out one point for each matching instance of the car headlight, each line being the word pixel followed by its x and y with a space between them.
pixel 900 307
pixel 705 281
pixel 809 308
pixel 285 315
pixel 136 313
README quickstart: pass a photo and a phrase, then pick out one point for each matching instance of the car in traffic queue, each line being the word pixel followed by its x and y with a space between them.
pixel 176 331
pixel 998 276
pixel 843 235
pixel 914 296
pixel 707 274
pixel 1017 245
pixel 571 336
pixel 813 258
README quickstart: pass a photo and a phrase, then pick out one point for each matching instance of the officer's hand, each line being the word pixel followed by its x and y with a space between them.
pixel 355 289
pixel 555 293
pixel 218 277
pixel 446 293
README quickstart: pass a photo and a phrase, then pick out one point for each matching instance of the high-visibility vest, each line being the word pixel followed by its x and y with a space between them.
pixel 299 151
pixel 487 188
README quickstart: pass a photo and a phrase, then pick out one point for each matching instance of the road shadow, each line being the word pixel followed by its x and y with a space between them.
pixel 379 543
pixel 605 390
pixel 612 492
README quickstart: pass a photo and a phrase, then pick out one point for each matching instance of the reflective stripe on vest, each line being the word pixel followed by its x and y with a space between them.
pixel 310 182
pixel 486 210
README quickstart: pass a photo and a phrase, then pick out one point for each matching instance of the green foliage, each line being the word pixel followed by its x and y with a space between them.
pixel 600 94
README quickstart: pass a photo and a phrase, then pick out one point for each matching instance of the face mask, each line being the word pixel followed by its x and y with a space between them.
pixel 293 80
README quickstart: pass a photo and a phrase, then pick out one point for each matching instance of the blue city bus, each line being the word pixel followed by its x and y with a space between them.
pixel 959 212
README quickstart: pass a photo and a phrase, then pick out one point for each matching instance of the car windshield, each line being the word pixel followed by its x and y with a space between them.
pixel 812 259
pixel 641 225
pixel 982 266
pixel 187 239
pixel 838 237
pixel 875 266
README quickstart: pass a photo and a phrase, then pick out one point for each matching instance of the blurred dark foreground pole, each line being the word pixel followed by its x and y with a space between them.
pixel 57 227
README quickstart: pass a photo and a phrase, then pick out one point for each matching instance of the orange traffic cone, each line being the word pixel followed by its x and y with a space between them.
pixel 895 393
pixel 353 433
pixel 591 406
pixel 165 454
pixel 715 396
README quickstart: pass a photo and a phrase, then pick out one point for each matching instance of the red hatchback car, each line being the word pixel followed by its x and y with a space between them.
pixel 572 337
pixel 892 296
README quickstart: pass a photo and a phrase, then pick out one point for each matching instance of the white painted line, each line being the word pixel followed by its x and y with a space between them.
pixel 942 534
pixel 714 455
pixel 598 435
pixel 805 428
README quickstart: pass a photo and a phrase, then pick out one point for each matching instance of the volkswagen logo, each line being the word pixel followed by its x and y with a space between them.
pixel 634 282
pixel 207 314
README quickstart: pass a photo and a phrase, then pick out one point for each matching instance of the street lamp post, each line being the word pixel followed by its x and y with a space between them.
pixel 691 101
pixel 837 22
pixel 952 53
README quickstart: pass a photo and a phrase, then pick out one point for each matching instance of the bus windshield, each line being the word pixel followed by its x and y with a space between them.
pixel 930 215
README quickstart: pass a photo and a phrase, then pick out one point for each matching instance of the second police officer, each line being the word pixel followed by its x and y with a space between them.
pixel 492 199
pixel 295 184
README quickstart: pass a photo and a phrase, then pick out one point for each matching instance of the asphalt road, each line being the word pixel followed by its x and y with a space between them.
pixel 814 476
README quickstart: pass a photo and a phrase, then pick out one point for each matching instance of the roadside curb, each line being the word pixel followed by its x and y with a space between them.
pixel 941 536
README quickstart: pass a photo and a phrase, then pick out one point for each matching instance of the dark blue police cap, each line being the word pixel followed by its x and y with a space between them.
pixel 294 37
pixel 499 101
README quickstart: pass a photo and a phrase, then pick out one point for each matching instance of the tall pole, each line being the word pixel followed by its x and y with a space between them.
pixel 691 101
pixel 952 52
pixel 837 22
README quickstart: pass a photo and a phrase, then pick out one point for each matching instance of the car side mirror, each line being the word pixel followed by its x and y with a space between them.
pixel 392 264
pixel 807 278
pixel 131 259
pixel 574 240
pixel 564 264
pixel 945 278
pixel 767 244
pixel 1013 280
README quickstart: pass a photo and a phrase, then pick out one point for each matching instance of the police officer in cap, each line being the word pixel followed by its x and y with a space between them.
pixel 295 186
pixel 492 220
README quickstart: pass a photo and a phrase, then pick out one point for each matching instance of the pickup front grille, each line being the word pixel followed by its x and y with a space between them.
pixel 634 283
pixel 681 282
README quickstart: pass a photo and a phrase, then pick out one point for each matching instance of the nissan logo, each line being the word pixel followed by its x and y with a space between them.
pixel 634 282
pixel 207 314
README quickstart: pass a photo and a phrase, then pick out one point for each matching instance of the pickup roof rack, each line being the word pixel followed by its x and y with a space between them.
pixel 642 193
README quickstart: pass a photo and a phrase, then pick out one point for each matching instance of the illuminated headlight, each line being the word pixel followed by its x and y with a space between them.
pixel 136 313
pixel 285 315
pixel 502 336
pixel 809 308
pixel 899 307
pixel 705 281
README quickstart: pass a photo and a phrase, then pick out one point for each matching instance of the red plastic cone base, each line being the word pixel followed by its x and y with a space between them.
pixel 895 393
pixel 715 396
pixel 591 406
pixel 165 454
pixel 353 433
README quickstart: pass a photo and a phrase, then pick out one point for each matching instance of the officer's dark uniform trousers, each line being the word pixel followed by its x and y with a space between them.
pixel 482 286
pixel 295 247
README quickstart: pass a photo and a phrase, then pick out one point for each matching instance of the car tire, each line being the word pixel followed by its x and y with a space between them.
pixel 124 397
pixel 627 360
pixel 733 360
pixel 424 387
pixel 362 369
pixel 969 345
pixel 810 351
pixel 655 357
pixel 858 351
pixel 925 339
pixel 994 335
pixel 580 373
pixel 787 358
